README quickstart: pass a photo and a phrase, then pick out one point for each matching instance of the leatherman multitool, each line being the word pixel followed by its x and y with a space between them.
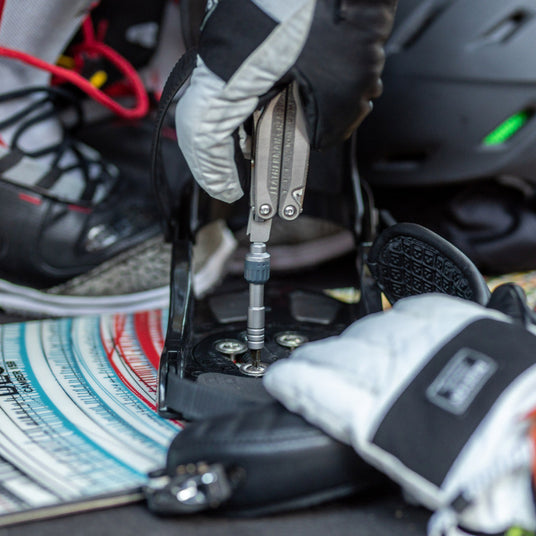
pixel 278 177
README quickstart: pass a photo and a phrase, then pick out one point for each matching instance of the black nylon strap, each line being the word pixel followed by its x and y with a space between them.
pixel 194 400
pixel 177 78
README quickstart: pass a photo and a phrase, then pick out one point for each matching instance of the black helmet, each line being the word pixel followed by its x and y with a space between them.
pixel 459 98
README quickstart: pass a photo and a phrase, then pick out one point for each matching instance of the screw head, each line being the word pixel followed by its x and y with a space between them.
pixel 290 339
pixel 230 346
pixel 251 370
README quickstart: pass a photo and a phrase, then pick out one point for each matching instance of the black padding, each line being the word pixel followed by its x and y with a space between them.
pixel 288 463
pixel 231 33
pixel 408 259
pixel 340 64
pixel 315 308
pixel 192 14
pixel 250 388
pixel 427 426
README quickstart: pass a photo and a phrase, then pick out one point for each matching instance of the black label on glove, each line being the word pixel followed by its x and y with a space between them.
pixel 461 380
pixel 431 421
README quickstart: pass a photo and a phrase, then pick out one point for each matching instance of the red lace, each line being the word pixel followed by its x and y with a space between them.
pixel 93 46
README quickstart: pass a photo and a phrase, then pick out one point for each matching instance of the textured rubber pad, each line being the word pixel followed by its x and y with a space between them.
pixel 408 259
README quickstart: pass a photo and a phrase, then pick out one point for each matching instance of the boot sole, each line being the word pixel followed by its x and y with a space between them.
pixel 408 259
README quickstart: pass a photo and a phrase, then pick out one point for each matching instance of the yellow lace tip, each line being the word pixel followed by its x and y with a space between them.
pixel 98 79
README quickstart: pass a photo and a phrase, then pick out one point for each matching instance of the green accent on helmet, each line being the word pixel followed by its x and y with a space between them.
pixel 518 531
pixel 507 128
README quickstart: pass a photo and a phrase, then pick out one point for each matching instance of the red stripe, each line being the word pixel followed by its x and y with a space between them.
pixel 129 385
pixel 143 333
pixel 30 199
pixel 114 352
pixel 127 358
pixel 78 208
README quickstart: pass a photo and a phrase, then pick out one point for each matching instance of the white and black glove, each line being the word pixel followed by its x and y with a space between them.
pixel 436 393
pixel 333 49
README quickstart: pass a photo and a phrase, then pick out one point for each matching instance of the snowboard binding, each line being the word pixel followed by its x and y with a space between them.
pixel 208 365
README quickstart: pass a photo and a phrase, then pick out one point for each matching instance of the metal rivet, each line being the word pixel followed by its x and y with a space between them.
pixel 264 210
pixel 290 339
pixel 289 211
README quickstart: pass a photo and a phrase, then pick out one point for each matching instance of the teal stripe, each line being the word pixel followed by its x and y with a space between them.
pixel 65 422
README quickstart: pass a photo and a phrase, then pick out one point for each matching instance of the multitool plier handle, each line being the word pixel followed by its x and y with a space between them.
pixel 279 173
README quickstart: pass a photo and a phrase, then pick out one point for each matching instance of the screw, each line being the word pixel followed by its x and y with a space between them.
pixel 230 347
pixel 264 210
pixel 290 339
pixel 251 370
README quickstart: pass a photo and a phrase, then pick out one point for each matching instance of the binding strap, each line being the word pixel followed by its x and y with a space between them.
pixel 177 78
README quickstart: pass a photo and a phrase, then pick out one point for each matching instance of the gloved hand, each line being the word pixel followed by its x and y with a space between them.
pixel 332 48
pixel 436 393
